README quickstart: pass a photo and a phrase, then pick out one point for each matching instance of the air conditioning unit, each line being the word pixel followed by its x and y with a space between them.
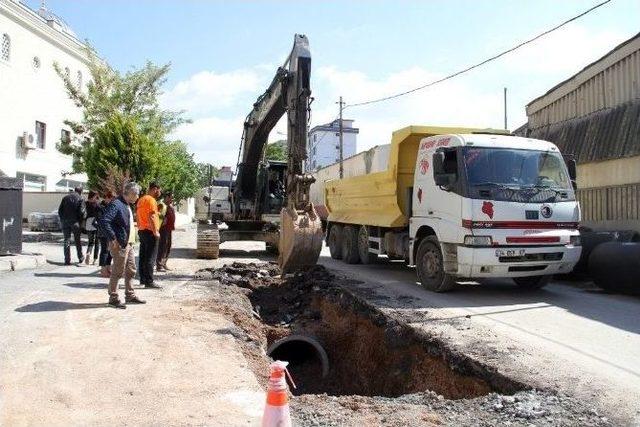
pixel 28 142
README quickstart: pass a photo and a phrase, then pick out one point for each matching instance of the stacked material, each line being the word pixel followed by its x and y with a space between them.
pixel 208 241
pixel 40 221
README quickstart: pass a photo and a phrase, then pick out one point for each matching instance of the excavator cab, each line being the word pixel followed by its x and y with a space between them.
pixel 272 195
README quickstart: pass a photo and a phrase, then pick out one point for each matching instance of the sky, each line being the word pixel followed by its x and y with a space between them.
pixel 225 53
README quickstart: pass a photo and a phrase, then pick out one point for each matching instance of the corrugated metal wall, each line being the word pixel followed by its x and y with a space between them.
pixel 615 203
pixel 607 134
pixel 613 86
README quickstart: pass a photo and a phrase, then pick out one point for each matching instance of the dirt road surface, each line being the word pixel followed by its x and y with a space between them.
pixel 67 359
pixel 576 340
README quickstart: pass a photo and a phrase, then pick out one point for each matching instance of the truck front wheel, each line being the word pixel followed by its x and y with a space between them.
pixel 430 266
pixel 335 241
pixel 350 253
pixel 532 282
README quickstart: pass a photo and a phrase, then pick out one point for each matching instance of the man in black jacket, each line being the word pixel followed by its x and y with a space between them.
pixel 71 212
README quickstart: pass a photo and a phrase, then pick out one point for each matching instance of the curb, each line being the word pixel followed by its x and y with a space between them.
pixel 22 262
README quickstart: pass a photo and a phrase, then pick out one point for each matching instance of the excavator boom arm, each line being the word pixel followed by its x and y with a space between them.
pixel 289 93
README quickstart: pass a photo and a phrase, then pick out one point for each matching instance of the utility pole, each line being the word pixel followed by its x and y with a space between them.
pixel 341 104
pixel 210 178
pixel 505 108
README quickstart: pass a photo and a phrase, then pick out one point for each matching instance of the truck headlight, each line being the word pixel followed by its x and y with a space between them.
pixel 477 240
pixel 575 240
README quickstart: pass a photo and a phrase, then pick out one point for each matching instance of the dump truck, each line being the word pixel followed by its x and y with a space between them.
pixel 213 203
pixel 370 161
pixel 460 203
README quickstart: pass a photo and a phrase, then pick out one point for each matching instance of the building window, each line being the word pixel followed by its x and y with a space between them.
pixel 32 182
pixel 6 47
pixel 41 134
pixel 65 136
pixel 36 62
pixel 68 185
pixel 79 80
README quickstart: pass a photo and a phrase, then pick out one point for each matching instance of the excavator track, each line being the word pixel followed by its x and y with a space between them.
pixel 300 239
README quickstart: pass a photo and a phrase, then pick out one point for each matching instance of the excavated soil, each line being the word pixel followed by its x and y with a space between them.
pixel 381 371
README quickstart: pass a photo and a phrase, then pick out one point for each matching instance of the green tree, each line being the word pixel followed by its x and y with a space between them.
pixel 276 151
pixel 133 94
pixel 204 172
pixel 124 131
pixel 177 171
pixel 118 146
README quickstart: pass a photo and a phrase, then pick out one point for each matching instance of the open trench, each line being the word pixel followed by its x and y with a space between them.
pixel 338 344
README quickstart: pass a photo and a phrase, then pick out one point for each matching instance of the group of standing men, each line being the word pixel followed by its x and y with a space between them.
pixel 113 223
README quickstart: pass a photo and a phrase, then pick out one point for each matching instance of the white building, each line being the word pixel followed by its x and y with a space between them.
pixel 324 143
pixel 33 101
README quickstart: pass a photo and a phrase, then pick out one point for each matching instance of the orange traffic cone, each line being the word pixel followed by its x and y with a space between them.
pixel 276 411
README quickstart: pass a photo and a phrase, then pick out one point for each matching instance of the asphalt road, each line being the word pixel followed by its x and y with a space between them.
pixel 569 337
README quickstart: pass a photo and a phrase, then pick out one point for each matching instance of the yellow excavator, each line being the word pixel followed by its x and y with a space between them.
pixel 270 200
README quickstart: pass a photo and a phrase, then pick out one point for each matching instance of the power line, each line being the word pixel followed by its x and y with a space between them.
pixel 457 73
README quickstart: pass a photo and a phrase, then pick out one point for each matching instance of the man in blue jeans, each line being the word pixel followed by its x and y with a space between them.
pixel 71 212
pixel 117 225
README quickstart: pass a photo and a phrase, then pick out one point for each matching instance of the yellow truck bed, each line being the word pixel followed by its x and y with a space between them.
pixel 383 199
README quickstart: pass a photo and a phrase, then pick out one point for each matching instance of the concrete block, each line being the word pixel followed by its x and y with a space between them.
pixel 24 262
pixel 5 264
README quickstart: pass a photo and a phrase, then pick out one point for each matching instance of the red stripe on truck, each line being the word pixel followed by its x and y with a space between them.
pixel 537 225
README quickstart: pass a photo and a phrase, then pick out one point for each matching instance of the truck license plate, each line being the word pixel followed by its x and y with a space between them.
pixel 509 252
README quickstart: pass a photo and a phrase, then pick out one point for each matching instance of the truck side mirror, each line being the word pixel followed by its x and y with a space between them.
pixel 570 161
pixel 443 176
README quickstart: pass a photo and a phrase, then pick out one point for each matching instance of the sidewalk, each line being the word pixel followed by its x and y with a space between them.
pixel 68 359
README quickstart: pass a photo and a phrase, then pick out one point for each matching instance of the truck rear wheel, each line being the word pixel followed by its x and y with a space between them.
pixel 430 266
pixel 532 282
pixel 366 257
pixel 335 241
pixel 350 253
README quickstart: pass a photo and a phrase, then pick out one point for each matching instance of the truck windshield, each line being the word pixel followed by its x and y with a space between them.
pixel 516 170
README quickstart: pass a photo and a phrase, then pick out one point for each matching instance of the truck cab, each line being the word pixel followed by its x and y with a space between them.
pixel 486 205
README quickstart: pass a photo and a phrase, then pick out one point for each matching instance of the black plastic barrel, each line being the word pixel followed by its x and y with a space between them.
pixel 615 266
pixel 591 239
pixel 10 215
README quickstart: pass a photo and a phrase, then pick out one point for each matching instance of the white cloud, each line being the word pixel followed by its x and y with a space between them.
pixel 565 51
pixel 219 101
pixel 213 139
pixel 451 103
pixel 207 91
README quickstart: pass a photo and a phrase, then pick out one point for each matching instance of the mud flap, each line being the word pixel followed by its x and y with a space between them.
pixel 300 239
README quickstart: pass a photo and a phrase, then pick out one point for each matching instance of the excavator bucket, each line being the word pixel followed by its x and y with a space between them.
pixel 300 239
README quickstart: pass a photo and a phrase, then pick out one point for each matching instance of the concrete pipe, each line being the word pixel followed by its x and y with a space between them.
pixel 300 348
pixel 615 266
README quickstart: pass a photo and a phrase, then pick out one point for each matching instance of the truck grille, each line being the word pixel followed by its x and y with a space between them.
pixel 551 256
pixel 521 268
